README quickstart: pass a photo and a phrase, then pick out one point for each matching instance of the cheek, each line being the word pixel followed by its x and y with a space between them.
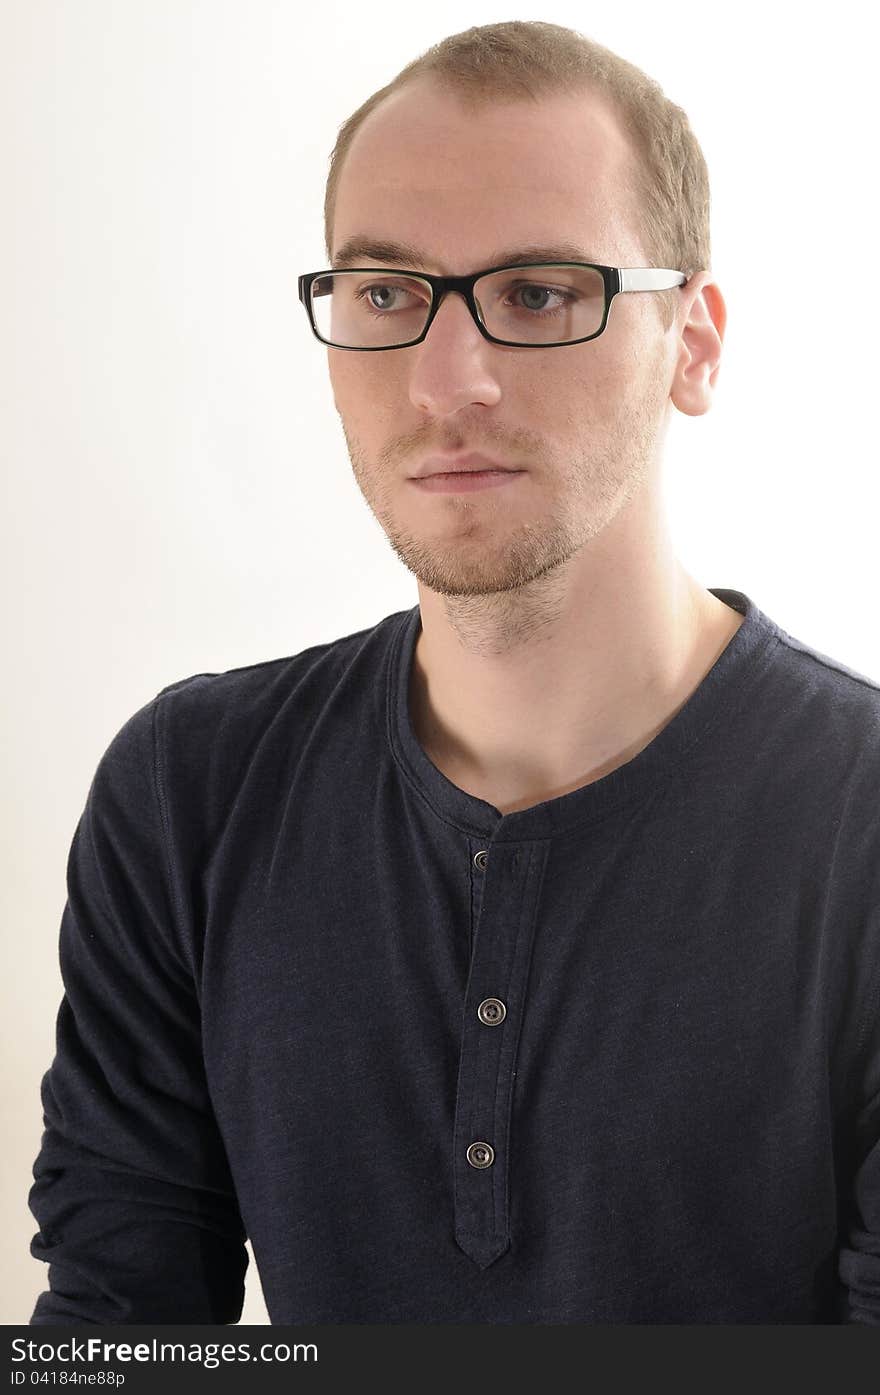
pixel 346 374
pixel 359 389
pixel 562 402
pixel 339 380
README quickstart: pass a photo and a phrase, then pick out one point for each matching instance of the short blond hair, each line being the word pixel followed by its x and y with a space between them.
pixel 530 59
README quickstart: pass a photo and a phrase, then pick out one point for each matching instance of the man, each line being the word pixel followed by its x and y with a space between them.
pixel 513 960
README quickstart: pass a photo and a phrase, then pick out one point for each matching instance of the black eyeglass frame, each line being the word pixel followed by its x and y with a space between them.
pixel 617 280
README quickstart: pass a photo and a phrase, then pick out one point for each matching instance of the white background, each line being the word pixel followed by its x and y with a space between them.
pixel 178 496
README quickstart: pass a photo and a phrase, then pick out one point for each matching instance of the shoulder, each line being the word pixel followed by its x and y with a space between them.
pixel 824 697
pixel 211 729
pixel 234 700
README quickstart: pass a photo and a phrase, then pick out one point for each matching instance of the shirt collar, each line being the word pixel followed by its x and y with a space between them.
pixel 664 760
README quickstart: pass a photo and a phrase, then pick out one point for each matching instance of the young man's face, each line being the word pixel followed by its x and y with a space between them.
pixel 584 422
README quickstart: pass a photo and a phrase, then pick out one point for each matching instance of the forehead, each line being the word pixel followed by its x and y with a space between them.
pixel 428 170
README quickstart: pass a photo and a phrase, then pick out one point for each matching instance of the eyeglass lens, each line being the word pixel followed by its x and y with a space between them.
pixel 524 305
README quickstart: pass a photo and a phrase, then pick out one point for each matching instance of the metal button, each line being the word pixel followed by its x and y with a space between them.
pixel 481 1155
pixel 491 1011
pixel 480 859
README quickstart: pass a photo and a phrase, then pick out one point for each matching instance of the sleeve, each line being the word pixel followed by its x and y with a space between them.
pixel 859 1255
pixel 132 1189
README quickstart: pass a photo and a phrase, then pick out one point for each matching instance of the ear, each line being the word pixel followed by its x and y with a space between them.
pixel 700 322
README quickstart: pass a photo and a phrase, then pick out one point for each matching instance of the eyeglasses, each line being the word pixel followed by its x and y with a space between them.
pixel 370 308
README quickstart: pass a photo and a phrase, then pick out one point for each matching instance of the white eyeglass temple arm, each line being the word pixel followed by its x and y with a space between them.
pixel 649 278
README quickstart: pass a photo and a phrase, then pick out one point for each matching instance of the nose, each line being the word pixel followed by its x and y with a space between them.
pixel 454 365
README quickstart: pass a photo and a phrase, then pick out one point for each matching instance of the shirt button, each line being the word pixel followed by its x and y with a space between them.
pixel 491 1011
pixel 480 859
pixel 481 1155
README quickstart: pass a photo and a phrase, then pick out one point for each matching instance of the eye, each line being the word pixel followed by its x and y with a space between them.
pixel 531 289
pixel 365 295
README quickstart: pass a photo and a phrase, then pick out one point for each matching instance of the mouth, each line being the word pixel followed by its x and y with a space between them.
pixel 464 481
pixel 471 464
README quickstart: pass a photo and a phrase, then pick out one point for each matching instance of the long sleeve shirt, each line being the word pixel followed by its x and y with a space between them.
pixel 611 1058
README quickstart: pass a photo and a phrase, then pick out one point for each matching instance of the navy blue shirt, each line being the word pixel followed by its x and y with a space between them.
pixel 612 1058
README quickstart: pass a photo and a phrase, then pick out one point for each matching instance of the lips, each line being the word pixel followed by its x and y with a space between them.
pixel 459 464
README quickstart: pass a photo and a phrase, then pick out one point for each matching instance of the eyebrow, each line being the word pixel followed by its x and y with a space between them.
pixel 402 254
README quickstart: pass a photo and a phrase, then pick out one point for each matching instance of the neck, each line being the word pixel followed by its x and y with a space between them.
pixel 523 695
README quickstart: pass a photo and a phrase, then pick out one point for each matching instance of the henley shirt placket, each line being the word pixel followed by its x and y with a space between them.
pixel 511 875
